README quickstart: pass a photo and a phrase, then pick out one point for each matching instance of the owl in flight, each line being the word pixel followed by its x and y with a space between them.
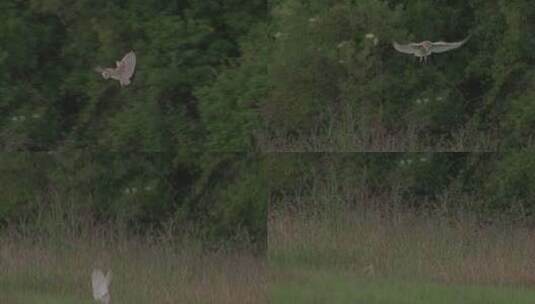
pixel 123 71
pixel 425 48
pixel 101 284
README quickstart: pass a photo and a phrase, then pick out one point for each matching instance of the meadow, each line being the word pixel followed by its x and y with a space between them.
pixel 347 254
pixel 56 268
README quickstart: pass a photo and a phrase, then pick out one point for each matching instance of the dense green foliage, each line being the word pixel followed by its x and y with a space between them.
pixel 336 83
pixel 487 184
pixel 137 154
pixel 217 197
pixel 53 98
pixel 236 76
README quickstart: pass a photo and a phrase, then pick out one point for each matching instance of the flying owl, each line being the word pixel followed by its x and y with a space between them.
pixel 101 284
pixel 123 71
pixel 425 48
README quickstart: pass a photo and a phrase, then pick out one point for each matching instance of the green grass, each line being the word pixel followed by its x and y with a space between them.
pixel 330 286
pixel 144 271
pixel 29 296
pixel 349 257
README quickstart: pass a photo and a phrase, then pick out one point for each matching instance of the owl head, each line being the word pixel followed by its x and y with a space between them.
pixel 106 74
pixel 427 45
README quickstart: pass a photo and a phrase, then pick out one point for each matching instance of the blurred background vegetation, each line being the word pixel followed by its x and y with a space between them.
pixel 218 78
pixel 283 75
pixel 340 220
pixel 333 81
pixel 52 98
pixel 219 199
pixel 83 152
pixel 486 186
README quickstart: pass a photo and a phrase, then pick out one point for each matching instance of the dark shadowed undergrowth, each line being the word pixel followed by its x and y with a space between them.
pixel 379 138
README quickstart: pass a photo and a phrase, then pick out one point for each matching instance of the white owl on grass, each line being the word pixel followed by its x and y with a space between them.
pixel 101 284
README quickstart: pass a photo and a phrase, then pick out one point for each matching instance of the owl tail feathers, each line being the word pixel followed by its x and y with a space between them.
pixel 125 82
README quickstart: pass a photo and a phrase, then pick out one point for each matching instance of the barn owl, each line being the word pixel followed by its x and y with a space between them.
pixel 101 284
pixel 425 48
pixel 123 71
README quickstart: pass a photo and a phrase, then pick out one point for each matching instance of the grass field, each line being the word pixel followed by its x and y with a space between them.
pixel 331 286
pixel 58 270
pixel 355 256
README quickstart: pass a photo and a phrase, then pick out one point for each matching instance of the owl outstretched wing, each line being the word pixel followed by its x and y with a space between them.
pixel 127 65
pixel 410 48
pixel 441 46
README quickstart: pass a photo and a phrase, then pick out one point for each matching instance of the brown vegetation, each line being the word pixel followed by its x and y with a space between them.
pixel 406 244
pixel 146 270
